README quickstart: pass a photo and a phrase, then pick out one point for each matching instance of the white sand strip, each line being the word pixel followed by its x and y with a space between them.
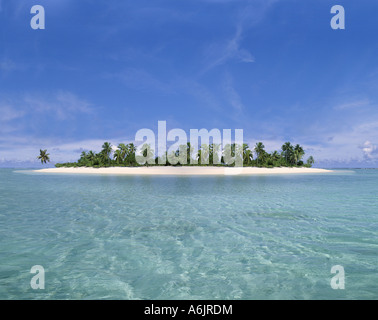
pixel 182 171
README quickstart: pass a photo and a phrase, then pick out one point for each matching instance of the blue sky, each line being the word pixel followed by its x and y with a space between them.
pixel 103 69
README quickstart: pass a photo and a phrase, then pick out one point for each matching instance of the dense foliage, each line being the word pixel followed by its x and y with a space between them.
pixel 125 156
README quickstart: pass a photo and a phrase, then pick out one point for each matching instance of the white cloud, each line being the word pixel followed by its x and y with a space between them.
pixel 59 151
pixel 252 14
pixel 219 53
pixel 7 65
pixel 232 95
pixel 63 104
pixel 8 113
pixel 353 104
pixel 141 80
pixel 20 116
pixel 370 150
pixel 347 145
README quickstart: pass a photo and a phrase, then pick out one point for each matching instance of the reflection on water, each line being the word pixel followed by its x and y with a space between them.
pixel 118 237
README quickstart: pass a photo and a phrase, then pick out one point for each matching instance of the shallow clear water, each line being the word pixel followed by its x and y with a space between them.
pixel 118 237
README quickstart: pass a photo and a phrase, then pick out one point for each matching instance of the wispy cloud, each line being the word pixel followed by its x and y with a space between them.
pixel 19 114
pixel 353 144
pixel 346 135
pixel 8 113
pixel 7 65
pixel 233 96
pixel 64 105
pixel 141 80
pixel 370 150
pixel 200 92
pixel 353 104
pixel 231 49
pixel 60 151
pixel 219 53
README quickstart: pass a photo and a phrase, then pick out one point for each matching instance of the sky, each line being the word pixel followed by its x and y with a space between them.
pixel 103 69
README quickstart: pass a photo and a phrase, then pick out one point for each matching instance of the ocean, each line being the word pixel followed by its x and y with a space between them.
pixel 156 237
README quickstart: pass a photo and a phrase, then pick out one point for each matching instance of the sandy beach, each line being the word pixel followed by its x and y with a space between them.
pixel 183 171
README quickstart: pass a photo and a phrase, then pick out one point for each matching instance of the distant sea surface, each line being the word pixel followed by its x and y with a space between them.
pixel 255 237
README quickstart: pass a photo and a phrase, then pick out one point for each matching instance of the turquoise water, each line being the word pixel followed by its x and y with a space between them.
pixel 118 237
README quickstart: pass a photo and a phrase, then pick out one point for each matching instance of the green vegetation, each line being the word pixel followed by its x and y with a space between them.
pixel 43 156
pixel 125 156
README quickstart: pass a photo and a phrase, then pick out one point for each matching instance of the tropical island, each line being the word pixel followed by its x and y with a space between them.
pixel 207 155
pixel 208 159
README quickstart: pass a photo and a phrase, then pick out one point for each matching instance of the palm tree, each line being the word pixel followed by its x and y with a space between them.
pixel 259 149
pixel 118 156
pixel 238 155
pixel 298 153
pixel 43 156
pixel 189 152
pixel 123 148
pixel 310 161
pixel 287 150
pixel 91 156
pixel 211 145
pixel 247 155
pixel 106 151
pixel 172 157
pixel 130 154
pixel 214 153
pixel 180 156
pixel 205 152
pixel 147 156
pixel 233 149
pixel 132 148
pixel 227 155
pixel 199 156
pixel 83 159
pixel 275 156
pixel 245 147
